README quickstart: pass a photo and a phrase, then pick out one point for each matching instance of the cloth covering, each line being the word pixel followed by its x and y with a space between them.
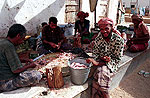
pixel 105 21
pixel 137 17
pixel 26 78
pixel 93 4
pixel 82 14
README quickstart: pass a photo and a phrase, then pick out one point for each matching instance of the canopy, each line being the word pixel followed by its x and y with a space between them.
pixel 93 4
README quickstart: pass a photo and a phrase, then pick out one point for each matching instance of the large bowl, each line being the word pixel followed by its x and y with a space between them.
pixel 79 76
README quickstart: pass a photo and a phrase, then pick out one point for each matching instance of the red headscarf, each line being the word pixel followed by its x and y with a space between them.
pixel 81 14
pixel 105 21
pixel 137 17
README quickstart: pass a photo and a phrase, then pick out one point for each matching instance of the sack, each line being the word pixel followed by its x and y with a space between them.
pixel 58 77
pixel 54 77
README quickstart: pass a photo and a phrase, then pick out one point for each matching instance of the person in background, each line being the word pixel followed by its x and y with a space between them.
pixel 133 10
pixel 13 74
pixel 82 27
pixel 35 41
pixel 39 44
pixel 108 49
pixel 52 36
pixel 42 24
pixel 139 42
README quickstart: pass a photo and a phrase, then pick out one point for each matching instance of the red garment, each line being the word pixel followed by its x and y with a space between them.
pixel 138 47
pixel 105 21
pixel 140 32
pixel 137 17
pixel 82 14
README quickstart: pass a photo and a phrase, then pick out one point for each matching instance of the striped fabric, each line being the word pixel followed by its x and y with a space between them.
pixel 101 82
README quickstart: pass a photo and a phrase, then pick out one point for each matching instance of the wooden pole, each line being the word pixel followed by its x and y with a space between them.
pixel 137 7
pixel 79 5
pixel 95 18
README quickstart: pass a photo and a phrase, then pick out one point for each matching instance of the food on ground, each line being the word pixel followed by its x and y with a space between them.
pixel 51 60
pixel 75 65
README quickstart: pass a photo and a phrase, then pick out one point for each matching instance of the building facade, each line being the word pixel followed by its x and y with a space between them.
pixel 136 3
pixel 31 13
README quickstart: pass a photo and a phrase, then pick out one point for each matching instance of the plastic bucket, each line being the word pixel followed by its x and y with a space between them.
pixel 79 76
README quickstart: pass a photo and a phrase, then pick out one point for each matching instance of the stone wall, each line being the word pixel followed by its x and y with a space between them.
pixel 29 13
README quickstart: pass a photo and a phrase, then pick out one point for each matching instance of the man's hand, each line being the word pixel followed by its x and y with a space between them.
pixel 106 58
pixel 58 46
pixel 53 44
pixel 31 64
pixel 30 60
pixel 89 60
pixel 25 67
pixel 91 45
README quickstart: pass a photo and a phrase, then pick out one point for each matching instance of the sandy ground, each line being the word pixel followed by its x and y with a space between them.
pixel 135 85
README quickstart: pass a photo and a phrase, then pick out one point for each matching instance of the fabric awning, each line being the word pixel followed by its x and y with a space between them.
pixel 93 4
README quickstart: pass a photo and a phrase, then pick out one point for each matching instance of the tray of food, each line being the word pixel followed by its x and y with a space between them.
pixel 54 59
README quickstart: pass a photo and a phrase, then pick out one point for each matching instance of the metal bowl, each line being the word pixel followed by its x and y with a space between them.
pixel 79 76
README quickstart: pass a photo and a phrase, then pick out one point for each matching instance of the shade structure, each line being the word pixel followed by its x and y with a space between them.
pixel 93 4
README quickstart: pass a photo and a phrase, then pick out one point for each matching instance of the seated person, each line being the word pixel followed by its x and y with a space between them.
pixel 35 41
pixel 139 42
pixel 107 52
pixel 43 24
pixel 13 74
pixel 82 27
pixel 39 44
pixel 52 36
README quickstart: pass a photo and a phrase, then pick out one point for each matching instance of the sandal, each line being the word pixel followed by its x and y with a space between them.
pixel 141 72
pixel 146 74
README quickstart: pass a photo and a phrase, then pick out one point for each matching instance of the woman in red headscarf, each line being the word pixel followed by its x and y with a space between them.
pixel 139 42
pixel 82 27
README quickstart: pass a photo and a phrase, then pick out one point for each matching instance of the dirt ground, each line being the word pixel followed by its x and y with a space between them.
pixel 135 85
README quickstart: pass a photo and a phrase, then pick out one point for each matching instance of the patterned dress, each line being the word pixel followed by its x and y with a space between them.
pixel 114 49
